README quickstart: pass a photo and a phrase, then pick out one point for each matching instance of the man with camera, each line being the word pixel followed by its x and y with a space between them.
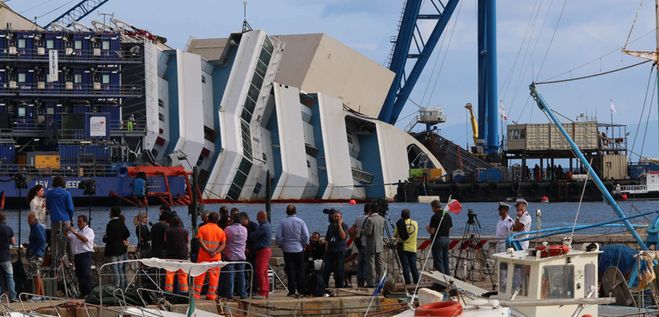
pixel 355 233
pixel 314 253
pixel 335 249
pixel 523 220
pixel 373 238
pixel 439 228
pixel 406 231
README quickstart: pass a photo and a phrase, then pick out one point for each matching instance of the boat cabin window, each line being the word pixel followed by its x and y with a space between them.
pixel 557 281
pixel 503 277
pixel 590 275
pixel 521 275
pixel 50 44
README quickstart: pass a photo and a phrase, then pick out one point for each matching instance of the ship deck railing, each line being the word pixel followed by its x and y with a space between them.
pixel 71 90
pixel 96 169
pixel 76 56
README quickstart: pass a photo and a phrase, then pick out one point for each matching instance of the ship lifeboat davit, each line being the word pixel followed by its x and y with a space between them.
pixel 447 308
pixel 544 199
pixel 552 250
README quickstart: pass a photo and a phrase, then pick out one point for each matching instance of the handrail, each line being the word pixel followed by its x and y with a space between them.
pixel 74 54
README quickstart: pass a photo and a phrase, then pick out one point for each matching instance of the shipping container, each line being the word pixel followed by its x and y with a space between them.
pixel 541 137
pixel 46 161
pixel 614 166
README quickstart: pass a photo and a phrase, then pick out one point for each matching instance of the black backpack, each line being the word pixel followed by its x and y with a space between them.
pixel 401 227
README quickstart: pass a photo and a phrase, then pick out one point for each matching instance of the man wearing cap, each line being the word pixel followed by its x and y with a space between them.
pixel 523 220
pixel 504 227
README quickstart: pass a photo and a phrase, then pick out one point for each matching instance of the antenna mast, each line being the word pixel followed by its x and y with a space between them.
pixel 246 26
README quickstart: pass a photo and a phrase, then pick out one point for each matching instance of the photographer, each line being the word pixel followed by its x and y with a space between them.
pixel 355 233
pixel 406 231
pixel 313 252
pixel 335 240
pixel 373 238
pixel 439 228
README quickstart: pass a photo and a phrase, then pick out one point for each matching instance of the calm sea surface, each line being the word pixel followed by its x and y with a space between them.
pixel 553 215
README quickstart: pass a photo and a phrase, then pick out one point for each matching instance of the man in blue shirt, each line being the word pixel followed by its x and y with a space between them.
pixel 35 252
pixel 6 239
pixel 292 236
pixel 336 250
pixel 139 188
pixel 60 204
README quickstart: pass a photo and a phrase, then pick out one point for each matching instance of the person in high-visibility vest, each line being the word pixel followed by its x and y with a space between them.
pixel 212 241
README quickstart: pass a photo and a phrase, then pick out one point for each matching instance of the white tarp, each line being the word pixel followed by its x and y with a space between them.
pixel 193 269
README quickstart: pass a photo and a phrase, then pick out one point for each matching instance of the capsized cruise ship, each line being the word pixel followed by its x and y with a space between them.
pixel 302 107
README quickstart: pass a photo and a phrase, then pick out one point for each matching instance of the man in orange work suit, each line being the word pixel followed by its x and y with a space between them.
pixel 212 241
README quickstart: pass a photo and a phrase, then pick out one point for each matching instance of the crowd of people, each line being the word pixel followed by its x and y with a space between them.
pixel 230 236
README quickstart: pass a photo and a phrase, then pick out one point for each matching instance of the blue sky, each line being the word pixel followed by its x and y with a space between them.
pixel 590 34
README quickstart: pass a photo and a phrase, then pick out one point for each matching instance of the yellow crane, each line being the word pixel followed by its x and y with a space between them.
pixel 474 124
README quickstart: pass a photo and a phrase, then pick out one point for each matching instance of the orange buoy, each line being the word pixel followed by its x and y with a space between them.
pixel 544 199
pixel 352 202
pixel 624 197
pixel 447 309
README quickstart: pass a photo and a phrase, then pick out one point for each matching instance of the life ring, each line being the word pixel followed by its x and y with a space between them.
pixel 440 309
pixel 552 250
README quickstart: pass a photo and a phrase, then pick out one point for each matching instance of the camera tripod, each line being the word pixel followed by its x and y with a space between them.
pixel 391 256
pixel 470 251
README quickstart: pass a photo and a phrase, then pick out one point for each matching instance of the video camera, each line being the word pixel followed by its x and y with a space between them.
pixel 473 218
pixel 88 186
pixel 330 214
pixel 20 181
pixel 381 206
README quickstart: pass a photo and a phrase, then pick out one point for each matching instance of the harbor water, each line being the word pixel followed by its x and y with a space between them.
pixel 553 215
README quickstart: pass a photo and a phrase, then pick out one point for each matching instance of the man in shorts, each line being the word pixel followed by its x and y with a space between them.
pixel 36 250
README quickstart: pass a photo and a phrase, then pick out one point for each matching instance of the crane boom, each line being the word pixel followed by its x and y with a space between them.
pixel 79 11
pixel 577 152
pixel 474 123
pixel 404 50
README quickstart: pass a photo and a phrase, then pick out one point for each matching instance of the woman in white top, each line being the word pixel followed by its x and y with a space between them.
pixel 36 198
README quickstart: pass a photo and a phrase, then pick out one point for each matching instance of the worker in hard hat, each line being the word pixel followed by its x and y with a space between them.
pixel 212 241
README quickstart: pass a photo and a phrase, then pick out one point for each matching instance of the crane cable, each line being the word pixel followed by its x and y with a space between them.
pixel 645 101
pixel 633 24
pixel 441 65
pixel 529 62
pixel 551 41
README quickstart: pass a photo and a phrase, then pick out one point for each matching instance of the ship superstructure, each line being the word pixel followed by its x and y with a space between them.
pixel 105 101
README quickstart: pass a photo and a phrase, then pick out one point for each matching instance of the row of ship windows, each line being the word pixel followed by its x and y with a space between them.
pixel 77 78
pixel 50 44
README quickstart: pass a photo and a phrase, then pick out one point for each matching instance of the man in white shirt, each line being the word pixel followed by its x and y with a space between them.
pixel 523 220
pixel 82 247
pixel 504 227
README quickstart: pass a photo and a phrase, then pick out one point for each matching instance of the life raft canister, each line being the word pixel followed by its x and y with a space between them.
pixel 552 250
pixel 440 309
